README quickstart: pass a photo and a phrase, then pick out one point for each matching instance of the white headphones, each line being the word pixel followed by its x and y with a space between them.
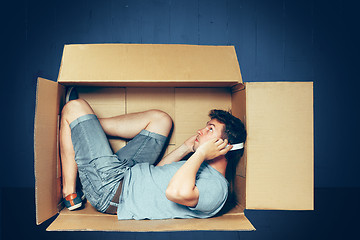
pixel 237 146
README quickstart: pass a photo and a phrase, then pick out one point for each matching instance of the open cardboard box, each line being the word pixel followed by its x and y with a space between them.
pixel 276 171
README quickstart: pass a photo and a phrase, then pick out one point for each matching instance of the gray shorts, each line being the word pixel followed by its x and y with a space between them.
pixel 100 170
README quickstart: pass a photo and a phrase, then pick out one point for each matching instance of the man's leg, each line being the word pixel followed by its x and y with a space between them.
pixel 71 111
pixel 125 126
pixel 147 130
pixel 129 125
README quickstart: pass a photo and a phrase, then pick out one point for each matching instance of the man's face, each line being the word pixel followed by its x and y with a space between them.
pixel 213 129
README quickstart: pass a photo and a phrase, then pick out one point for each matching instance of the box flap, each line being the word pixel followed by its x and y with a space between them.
pixel 46 152
pixel 91 220
pixel 149 65
pixel 280 146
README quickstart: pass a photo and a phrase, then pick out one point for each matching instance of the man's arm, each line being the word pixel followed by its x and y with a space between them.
pixel 182 188
pixel 179 153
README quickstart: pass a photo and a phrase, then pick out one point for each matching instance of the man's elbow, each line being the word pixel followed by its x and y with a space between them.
pixel 183 197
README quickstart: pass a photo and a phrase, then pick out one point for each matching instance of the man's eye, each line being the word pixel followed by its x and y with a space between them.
pixel 211 130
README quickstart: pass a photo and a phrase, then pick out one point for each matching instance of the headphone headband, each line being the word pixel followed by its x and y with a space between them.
pixel 237 146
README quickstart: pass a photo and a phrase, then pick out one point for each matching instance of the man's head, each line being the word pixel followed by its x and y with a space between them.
pixel 225 126
pixel 234 130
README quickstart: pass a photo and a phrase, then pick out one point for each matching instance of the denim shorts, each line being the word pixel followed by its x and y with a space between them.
pixel 101 170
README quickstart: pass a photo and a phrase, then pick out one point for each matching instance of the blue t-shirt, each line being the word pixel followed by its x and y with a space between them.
pixel 143 194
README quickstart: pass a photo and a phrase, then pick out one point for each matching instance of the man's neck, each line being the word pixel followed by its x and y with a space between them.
pixel 219 164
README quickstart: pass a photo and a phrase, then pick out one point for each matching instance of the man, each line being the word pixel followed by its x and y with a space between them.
pixel 127 183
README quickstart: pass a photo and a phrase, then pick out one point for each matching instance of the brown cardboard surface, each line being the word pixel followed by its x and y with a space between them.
pixel 142 99
pixel 91 220
pixel 145 64
pixel 280 148
pixel 106 102
pixel 240 191
pixel 238 109
pixel 49 97
pixel 192 106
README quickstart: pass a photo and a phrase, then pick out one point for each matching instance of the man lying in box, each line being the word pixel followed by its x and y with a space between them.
pixel 128 183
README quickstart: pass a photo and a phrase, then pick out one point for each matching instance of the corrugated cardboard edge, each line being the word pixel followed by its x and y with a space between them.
pixel 149 83
pixel 52 208
pixel 38 221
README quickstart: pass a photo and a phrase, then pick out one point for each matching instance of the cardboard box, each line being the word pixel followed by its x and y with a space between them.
pixel 276 171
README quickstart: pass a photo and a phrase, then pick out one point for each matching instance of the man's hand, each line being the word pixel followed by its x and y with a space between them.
pixel 189 143
pixel 180 152
pixel 214 148
pixel 182 188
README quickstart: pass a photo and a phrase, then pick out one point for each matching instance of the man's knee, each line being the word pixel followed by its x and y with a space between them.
pixel 73 105
pixel 75 109
pixel 161 120
pixel 160 116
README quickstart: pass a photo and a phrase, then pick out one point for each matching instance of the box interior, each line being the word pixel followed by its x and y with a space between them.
pixel 110 101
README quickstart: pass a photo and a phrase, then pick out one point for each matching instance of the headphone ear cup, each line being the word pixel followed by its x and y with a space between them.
pixel 237 146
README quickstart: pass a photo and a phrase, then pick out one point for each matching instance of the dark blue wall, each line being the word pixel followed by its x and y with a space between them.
pixel 279 40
